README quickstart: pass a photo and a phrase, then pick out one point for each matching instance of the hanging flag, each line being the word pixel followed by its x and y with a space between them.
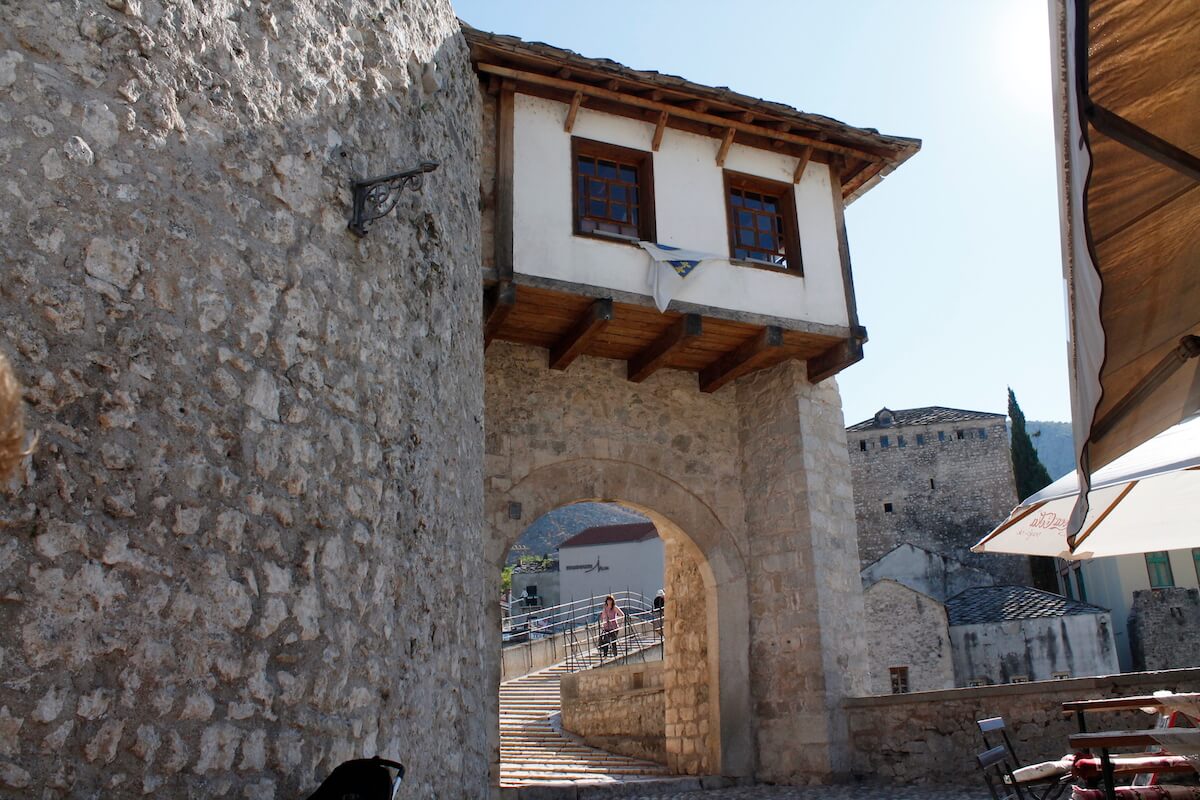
pixel 669 266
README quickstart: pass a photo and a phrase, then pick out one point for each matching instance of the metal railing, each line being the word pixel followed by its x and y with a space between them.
pixel 576 628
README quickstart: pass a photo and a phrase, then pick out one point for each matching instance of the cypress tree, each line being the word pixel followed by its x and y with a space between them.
pixel 1028 469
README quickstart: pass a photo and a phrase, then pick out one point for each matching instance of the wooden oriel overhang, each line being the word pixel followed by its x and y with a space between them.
pixel 717 344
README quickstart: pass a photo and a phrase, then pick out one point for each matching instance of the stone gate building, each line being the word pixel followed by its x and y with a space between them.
pixel 257 428
pixel 716 417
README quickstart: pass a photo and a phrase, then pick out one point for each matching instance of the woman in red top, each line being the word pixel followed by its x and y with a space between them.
pixel 610 617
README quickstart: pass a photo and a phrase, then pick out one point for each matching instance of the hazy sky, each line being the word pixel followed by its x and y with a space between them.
pixel 956 256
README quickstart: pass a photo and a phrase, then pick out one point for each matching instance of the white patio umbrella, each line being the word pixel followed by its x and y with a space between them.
pixel 1146 500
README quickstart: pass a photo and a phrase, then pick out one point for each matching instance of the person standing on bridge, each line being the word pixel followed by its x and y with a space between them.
pixel 610 617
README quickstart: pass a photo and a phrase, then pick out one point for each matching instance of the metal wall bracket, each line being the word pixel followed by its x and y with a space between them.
pixel 376 197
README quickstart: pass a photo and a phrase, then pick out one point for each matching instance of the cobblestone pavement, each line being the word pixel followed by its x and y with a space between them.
pixel 822 793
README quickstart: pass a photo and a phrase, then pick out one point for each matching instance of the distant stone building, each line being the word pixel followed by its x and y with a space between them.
pixel 534 586
pixel 909 638
pixel 1012 634
pixel 1164 628
pixel 933 623
pixel 937 478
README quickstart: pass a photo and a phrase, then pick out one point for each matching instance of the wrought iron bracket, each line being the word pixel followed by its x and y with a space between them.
pixel 376 197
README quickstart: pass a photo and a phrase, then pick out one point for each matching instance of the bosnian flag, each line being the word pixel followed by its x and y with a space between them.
pixel 669 267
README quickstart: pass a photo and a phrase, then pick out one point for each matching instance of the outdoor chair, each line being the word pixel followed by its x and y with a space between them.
pixel 1047 780
pixel 997 774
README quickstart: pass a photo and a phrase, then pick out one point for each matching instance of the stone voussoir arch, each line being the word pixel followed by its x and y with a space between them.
pixel 682 518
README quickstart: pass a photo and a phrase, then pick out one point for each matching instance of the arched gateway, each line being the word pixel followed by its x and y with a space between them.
pixel 713 610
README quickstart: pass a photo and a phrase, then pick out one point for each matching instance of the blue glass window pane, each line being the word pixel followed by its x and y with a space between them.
pixel 766 241
pixel 768 203
pixel 598 208
pixel 745 218
pixel 736 199
pixel 607 169
pixel 597 189
pixel 764 223
pixel 633 215
pixel 617 193
pixel 745 237
pixel 740 253
pixel 617 212
pixel 587 166
pixel 633 194
pixel 752 202
pixel 628 174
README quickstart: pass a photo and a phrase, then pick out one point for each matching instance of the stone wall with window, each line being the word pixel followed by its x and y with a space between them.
pixel 226 566
pixel 940 487
pixel 907 629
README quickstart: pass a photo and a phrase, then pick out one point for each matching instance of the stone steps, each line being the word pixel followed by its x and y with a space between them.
pixel 535 754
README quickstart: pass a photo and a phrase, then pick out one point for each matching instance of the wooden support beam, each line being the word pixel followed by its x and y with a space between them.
pixel 698 105
pixel 805 157
pixel 659 130
pixel 572 111
pixel 576 340
pixel 656 355
pixel 498 303
pixel 612 85
pixel 682 112
pixel 725 144
pixel 502 235
pixel 834 360
pixel 742 361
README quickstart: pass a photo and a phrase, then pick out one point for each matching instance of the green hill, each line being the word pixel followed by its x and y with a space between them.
pixel 543 537
pixel 1055 446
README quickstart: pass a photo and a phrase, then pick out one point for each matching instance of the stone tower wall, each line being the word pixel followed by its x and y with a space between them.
pixel 254 428
pixel 944 495
pixel 1164 628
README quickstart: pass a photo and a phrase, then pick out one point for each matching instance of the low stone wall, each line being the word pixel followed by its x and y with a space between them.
pixel 932 738
pixel 521 659
pixel 1164 628
pixel 619 708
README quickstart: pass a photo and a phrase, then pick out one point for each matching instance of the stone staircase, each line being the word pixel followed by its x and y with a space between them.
pixel 536 752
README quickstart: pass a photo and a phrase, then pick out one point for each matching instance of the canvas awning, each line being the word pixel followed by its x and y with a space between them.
pixel 1128 130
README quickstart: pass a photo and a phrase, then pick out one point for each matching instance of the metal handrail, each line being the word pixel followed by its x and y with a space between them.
pixel 579 621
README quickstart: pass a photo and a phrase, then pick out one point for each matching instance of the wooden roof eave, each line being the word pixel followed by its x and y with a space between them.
pixel 649 95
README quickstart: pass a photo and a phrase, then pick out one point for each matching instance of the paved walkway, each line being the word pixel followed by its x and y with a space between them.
pixel 534 751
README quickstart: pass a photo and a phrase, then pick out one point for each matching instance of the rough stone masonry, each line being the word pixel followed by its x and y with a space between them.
pixel 253 427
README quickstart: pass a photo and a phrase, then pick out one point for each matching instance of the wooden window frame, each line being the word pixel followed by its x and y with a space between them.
pixel 644 161
pixel 1161 557
pixel 791 223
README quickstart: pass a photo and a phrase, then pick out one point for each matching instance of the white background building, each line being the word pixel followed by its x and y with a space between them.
pixel 600 561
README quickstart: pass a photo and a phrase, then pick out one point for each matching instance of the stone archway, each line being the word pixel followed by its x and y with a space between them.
pixel 696 542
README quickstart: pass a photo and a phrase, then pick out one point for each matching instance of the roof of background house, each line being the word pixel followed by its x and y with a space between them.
pixel 929 415
pixel 1003 603
pixel 612 534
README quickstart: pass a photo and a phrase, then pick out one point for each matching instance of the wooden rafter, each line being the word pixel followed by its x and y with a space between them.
pixel 655 356
pixel 505 125
pixel 498 303
pixel 683 112
pixel 726 142
pixel 569 125
pixel 659 130
pixel 745 359
pixel 802 164
pixel 576 340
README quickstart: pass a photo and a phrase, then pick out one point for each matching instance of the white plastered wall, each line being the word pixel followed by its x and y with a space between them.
pixel 690 213
pixel 636 566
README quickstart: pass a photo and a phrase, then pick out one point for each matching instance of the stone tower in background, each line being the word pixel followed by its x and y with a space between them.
pixel 251 423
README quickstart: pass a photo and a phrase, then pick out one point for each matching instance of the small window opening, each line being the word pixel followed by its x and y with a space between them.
pixel 887 508
pixel 931 486
pixel 983 433
pixel 1019 679
pixel 884 442
pixel 959 435
pixel 862 445
pixel 920 439
pixel 941 436
pixel 900 441
pixel 899 679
